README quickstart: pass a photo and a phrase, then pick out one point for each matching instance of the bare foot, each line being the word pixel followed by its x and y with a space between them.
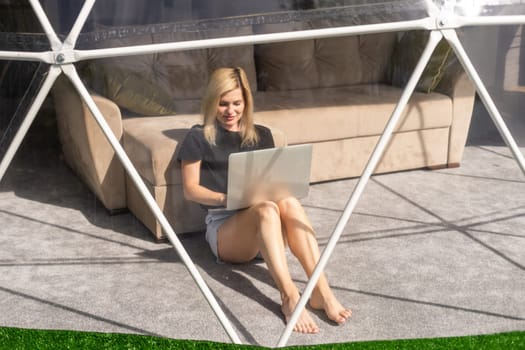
pixel 331 306
pixel 305 323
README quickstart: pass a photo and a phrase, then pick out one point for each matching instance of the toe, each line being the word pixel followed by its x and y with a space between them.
pixel 344 316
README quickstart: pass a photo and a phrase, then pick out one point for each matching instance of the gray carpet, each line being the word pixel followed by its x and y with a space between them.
pixel 426 254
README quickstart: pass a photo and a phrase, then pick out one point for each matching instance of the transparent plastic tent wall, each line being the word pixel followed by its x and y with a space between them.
pixel 41 40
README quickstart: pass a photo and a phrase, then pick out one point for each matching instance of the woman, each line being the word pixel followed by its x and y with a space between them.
pixel 265 228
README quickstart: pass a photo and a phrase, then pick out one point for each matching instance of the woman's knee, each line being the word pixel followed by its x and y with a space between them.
pixel 267 210
pixel 290 206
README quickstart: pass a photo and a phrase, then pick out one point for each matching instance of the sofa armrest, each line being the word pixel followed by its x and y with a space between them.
pixel 85 147
pixel 457 85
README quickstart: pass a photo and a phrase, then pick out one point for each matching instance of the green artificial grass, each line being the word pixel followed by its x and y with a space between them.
pixel 16 338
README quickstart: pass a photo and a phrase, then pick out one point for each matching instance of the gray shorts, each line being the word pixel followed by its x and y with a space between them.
pixel 214 220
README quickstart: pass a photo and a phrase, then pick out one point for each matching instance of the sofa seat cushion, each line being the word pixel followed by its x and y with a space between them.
pixel 326 114
pixel 151 143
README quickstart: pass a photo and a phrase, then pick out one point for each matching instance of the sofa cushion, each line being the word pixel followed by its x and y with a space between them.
pixel 407 54
pixel 407 150
pixel 181 74
pixel 135 92
pixel 322 63
pixel 188 71
pixel 151 144
pixel 318 115
pixel 286 66
pixel 375 51
pixel 147 66
pixel 138 83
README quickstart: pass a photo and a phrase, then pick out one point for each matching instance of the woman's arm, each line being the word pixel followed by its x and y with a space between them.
pixel 193 191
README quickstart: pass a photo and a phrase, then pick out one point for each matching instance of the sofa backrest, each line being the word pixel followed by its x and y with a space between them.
pixel 180 75
pixel 188 71
pixel 320 63
pixel 164 82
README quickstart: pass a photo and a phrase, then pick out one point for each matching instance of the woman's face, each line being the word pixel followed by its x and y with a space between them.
pixel 230 109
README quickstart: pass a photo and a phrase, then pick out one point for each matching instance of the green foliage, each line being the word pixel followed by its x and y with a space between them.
pixel 18 339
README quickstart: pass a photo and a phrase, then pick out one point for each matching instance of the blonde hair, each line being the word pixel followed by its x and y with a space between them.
pixel 222 81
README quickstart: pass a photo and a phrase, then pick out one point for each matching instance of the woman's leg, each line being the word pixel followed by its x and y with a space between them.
pixel 258 229
pixel 303 244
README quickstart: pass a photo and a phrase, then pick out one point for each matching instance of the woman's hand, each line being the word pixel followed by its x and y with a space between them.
pixel 224 199
pixel 193 191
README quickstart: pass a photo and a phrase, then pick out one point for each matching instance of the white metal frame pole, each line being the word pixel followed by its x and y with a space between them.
pixel 70 71
pixel 52 75
pixel 435 37
pixel 451 36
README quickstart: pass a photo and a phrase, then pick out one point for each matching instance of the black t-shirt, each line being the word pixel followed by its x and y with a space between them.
pixel 214 158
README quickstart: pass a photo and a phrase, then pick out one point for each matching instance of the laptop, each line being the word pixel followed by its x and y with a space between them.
pixel 268 174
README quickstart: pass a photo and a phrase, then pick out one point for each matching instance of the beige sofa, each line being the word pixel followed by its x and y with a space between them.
pixel 335 93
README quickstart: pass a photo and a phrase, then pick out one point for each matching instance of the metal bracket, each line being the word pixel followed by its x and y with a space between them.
pixel 445 19
pixel 64 57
